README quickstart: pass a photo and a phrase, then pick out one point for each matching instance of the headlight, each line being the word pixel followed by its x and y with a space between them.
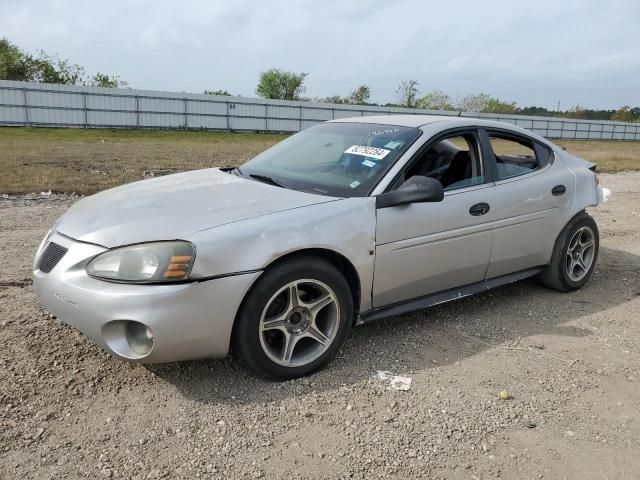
pixel 144 263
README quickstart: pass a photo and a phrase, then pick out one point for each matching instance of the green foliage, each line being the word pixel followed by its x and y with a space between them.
pixel 359 96
pixel 281 85
pixel 16 64
pixel 221 93
pixel 335 99
pixel 106 81
pixel 473 103
pixel 494 105
pixel 625 114
pixel 406 93
pixel 435 100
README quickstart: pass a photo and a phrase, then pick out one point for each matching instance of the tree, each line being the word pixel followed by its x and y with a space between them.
pixel 435 100
pixel 473 103
pixel 280 85
pixel 406 93
pixel 16 64
pixel 576 112
pixel 106 81
pixel 336 99
pixel 221 93
pixel 494 105
pixel 624 114
pixel 360 96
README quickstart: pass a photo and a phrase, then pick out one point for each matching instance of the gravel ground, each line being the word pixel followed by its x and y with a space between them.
pixel 571 363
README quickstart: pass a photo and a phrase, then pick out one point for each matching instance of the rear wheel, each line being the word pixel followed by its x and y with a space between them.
pixel 294 320
pixel 574 255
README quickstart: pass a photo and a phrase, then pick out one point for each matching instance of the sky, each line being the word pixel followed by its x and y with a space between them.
pixel 576 52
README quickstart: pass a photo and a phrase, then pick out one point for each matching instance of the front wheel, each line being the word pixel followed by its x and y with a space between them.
pixel 294 320
pixel 574 255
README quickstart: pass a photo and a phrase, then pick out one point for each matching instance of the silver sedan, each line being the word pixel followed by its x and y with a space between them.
pixel 343 223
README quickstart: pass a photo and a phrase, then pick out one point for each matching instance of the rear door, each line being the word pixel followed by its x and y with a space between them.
pixel 424 248
pixel 530 190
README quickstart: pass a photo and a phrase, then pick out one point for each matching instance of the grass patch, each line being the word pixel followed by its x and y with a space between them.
pixel 89 160
pixel 610 155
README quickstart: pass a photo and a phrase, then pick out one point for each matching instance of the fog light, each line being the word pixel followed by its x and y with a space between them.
pixel 139 337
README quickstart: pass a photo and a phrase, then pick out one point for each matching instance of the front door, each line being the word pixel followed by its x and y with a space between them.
pixel 424 248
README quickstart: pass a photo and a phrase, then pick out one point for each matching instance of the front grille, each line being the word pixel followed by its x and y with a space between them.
pixel 50 257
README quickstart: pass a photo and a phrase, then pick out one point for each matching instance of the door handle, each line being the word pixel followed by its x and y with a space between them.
pixel 558 190
pixel 479 209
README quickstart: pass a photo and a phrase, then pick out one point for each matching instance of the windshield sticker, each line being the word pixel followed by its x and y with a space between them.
pixel 369 163
pixel 385 131
pixel 354 184
pixel 393 145
pixel 377 153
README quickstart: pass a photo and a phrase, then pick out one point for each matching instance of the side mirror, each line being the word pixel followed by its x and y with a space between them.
pixel 417 189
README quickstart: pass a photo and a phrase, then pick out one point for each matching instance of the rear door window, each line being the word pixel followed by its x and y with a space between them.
pixel 516 155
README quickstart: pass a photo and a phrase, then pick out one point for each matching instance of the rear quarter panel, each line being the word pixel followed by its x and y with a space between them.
pixel 586 188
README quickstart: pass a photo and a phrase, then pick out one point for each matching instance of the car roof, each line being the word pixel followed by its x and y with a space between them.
pixel 445 121
pixel 398 120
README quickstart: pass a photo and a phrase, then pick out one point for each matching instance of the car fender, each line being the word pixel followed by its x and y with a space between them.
pixel 344 226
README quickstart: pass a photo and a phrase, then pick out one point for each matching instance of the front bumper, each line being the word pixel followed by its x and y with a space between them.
pixel 188 321
pixel 603 194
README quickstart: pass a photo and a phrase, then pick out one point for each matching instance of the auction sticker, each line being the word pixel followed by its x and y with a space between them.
pixel 377 153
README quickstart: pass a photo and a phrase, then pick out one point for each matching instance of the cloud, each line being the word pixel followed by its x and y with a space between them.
pixel 580 52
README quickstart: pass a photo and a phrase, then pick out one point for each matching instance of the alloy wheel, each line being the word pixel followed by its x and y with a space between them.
pixel 580 254
pixel 299 322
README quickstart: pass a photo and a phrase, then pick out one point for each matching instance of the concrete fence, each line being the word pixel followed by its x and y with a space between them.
pixel 49 105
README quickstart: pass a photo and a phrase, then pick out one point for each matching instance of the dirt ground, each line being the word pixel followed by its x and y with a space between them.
pixel 571 363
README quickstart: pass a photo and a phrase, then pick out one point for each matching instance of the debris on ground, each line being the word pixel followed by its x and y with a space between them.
pixel 394 382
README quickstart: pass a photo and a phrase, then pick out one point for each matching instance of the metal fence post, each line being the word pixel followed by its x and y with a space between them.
pixel 26 105
pixel 300 127
pixel 185 112
pixel 137 111
pixel 227 117
pixel 84 108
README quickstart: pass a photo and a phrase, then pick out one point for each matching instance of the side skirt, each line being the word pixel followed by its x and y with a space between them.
pixel 444 296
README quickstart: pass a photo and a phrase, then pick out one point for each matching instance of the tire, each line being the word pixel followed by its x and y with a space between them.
pixel 315 325
pixel 565 273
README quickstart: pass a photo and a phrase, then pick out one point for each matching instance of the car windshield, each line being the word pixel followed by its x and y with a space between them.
pixel 336 159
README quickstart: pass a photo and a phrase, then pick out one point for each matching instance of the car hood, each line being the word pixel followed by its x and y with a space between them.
pixel 175 206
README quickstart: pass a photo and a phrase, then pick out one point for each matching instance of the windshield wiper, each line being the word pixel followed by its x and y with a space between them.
pixel 266 179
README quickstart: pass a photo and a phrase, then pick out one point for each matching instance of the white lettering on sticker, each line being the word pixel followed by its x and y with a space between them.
pixel 377 153
pixel 384 131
